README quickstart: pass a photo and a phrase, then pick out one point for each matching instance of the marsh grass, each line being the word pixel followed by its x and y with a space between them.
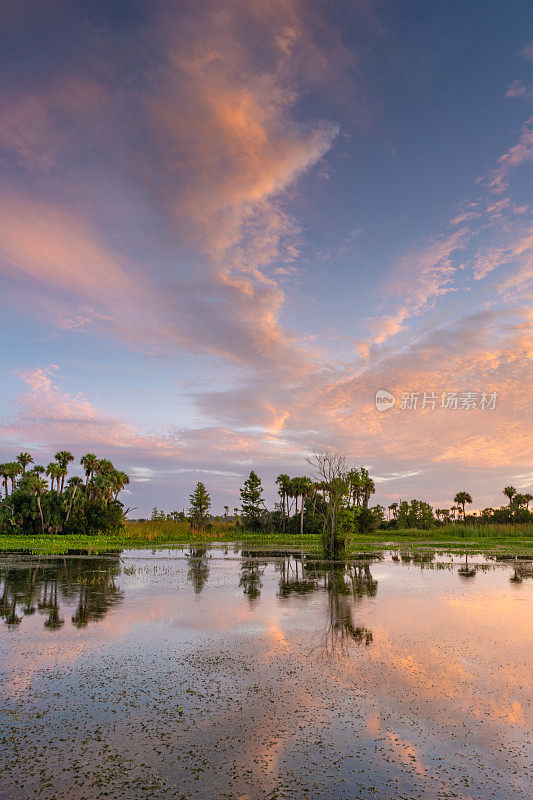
pixel 161 533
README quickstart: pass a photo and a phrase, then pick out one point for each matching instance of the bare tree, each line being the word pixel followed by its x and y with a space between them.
pixel 331 469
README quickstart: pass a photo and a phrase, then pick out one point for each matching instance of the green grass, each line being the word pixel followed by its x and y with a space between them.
pixel 480 538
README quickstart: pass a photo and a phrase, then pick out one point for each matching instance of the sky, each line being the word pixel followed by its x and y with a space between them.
pixel 224 226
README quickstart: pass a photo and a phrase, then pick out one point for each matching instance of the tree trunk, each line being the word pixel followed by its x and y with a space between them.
pixel 70 504
pixel 302 517
pixel 40 513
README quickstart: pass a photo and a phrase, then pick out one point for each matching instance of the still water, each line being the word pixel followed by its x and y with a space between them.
pixel 220 673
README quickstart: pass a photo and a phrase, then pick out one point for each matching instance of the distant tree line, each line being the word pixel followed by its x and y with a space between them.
pixel 44 500
pixel 419 514
pixel 335 504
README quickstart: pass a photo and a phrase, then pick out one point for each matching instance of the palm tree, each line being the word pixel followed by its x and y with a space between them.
pixel 527 499
pixel 283 482
pixel 61 474
pixel 355 481
pixel 75 483
pixel 461 498
pixel 519 500
pixel 63 458
pixel 89 463
pixel 24 459
pixel 12 468
pixel 53 470
pixel 302 487
pixel 105 467
pixel 367 486
pixel 37 487
pixel 509 492
pixel 4 476
pixel 118 481
pixel 290 495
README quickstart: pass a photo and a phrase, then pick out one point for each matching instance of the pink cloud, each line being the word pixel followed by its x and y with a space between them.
pixel 521 153
pixel 418 279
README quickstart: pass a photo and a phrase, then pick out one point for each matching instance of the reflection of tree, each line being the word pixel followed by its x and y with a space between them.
pixel 198 571
pixel 54 621
pixel 251 572
pixel 293 577
pixel 345 584
pixel 522 570
pixel 466 571
pixel 47 583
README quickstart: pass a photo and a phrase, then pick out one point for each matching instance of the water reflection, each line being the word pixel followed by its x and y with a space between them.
pixel 242 673
pixel 32 584
pixel 252 570
pixel 198 568
pixel 42 584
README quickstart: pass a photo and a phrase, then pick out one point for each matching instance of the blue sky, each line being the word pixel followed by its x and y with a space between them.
pixel 225 226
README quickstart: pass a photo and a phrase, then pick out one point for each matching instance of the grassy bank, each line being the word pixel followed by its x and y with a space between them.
pixel 486 538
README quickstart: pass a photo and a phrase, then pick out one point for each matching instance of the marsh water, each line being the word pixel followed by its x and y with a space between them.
pixel 221 673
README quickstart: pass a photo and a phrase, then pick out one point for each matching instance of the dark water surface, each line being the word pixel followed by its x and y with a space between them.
pixel 225 674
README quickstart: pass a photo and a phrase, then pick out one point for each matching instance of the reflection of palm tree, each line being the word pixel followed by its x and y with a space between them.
pixel 11 616
pixel 290 582
pixel 466 571
pixel 54 621
pixel 81 617
pixel 42 585
pixel 362 581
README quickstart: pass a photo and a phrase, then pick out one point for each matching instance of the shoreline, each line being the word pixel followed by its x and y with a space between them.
pixel 514 546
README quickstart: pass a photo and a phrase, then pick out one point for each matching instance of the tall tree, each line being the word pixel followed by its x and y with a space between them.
pixel 24 459
pixel 283 482
pixel 199 508
pixel 461 498
pixel 63 458
pixel 331 470
pixel 367 486
pixel 74 484
pixel 13 470
pixel 251 501
pixel 52 470
pixel 5 477
pixel 89 463
pixel 302 488
pixel 38 487
pixel 509 492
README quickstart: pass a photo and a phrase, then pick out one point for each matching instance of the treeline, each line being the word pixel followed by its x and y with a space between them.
pixel 419 514
pixel 335 504
pixel 44 500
